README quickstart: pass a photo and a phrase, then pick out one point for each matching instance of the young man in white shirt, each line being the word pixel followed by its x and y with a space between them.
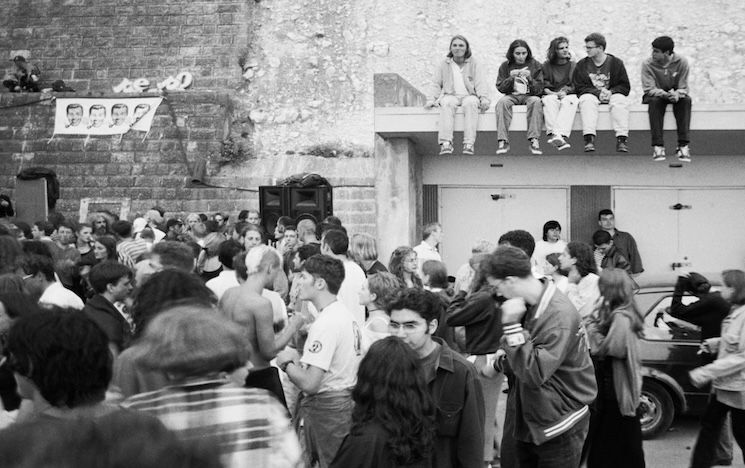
pixel 427 250
pixel 41 282
pixel 327 370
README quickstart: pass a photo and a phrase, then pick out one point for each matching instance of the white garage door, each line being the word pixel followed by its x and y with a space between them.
pixel 702 228
pixel 471 213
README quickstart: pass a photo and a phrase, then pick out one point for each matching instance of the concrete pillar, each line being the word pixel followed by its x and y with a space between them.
pixel 398 184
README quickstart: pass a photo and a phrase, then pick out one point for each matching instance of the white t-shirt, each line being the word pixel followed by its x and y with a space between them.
pixel 334 344
pixel 58 295
pixel 425 252
pixel 584 294
pixel 349 292
pixel 222 282
pixel 543 248
pixel 459 86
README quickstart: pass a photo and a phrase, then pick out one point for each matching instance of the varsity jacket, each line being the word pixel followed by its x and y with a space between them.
pixel 554 375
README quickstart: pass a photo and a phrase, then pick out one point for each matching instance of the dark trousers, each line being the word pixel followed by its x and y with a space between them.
pixel 615 440
pixel 268 379
pixel 656 111
pixel 711 426
pixel 507 450
pixel 563 451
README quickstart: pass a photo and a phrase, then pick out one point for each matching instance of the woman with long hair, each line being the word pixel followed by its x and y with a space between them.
pixel 614 329
pixel 393 422
pixel 559 99
pixel 404 265
pixel 520 80
pixel 104 248
pixel 726 374
pixel 578 261
pixel 458 82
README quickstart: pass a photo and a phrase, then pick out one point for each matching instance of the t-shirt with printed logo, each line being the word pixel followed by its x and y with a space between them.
pixel 334 344
pixel 599 75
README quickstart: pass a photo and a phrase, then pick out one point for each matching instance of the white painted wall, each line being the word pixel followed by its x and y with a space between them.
pixel 469 213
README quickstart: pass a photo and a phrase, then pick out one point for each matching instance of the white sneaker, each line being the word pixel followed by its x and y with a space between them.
pixel 684 154
pixel 658 153
pixel 535 146
pixel 560 143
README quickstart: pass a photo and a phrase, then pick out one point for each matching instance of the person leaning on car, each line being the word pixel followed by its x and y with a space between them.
pixel 708 312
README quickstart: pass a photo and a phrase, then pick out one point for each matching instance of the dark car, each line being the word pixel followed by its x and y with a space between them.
pixel 668 352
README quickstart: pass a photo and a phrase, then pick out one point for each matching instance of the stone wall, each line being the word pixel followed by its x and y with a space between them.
pixel 93 44
pixel 150 169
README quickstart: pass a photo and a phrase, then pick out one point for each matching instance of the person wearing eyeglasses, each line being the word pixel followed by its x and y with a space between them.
pixel 452 380
pixel 601 78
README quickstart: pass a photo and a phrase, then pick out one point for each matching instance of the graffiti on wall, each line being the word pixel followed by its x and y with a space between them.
pixel 179 82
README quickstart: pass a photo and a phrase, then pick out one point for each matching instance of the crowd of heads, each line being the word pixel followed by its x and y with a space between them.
pixel 64 358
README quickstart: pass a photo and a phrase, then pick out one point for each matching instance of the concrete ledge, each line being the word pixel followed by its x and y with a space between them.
pixel 397 120
pixel 392 90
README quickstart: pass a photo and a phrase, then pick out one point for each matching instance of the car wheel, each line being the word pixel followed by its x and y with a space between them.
pixel 656 409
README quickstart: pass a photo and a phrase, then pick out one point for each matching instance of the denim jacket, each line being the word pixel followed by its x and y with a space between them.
pixel 728 371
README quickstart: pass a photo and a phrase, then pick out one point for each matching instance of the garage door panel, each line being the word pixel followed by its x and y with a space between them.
pixel 712 227
pixel 471 213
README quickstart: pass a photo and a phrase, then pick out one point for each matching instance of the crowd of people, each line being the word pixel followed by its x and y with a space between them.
pixel 208 343
pixel 554 90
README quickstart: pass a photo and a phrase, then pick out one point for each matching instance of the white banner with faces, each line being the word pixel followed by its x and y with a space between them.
pixel 99 116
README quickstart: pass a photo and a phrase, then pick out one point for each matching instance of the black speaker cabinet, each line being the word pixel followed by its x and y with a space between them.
pixel 295 202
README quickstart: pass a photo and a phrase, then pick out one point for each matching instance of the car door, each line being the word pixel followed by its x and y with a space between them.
pixel 670 345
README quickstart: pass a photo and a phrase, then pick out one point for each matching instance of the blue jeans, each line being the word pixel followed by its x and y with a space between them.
pixel 564 451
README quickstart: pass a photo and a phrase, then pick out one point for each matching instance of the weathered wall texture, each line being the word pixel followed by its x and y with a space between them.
pixel 94 44
pixel 299 73
pixel 149 170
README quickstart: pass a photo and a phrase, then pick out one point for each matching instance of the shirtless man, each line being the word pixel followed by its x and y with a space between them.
pixel 246 306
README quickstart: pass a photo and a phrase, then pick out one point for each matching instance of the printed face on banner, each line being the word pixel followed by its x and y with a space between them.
pixel 101 116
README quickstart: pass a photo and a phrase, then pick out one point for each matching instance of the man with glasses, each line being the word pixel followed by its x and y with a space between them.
pixel 451 378
pixel 601 78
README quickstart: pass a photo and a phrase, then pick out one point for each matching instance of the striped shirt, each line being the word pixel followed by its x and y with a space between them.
pixel 250 427
pixel 131 251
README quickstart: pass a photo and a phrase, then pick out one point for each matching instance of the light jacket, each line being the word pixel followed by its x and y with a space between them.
pixel 620 344
pixel 442 83
pixel 728 371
